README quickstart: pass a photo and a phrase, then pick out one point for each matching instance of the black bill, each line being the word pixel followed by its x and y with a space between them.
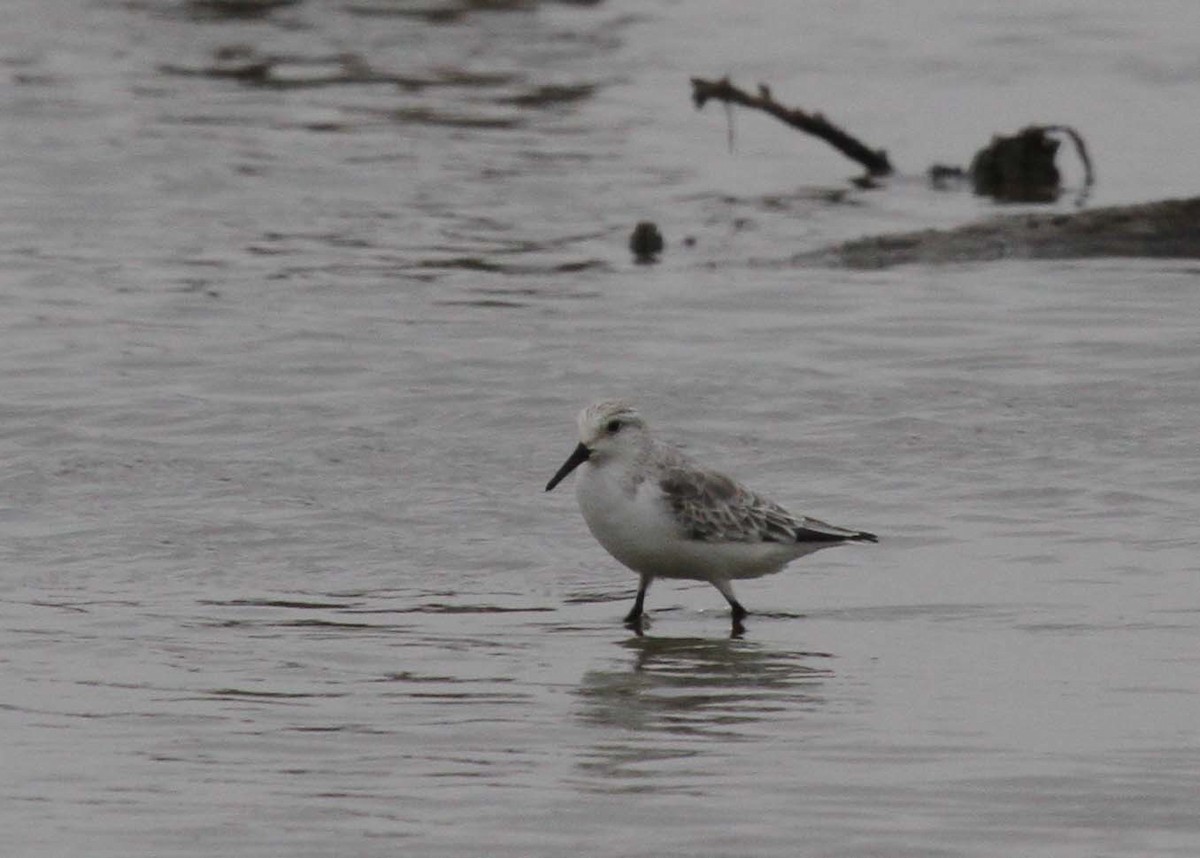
pixel 578 456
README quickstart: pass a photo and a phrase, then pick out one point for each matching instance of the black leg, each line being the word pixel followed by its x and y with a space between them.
pixel 739 613
pixel 634 617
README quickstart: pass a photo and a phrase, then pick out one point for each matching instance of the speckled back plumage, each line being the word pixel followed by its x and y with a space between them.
pixel 711 507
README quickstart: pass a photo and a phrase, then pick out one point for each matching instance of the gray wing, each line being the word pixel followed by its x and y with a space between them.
pixel 711 507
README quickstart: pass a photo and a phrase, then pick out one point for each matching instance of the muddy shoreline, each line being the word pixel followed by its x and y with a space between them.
pixel 1163 229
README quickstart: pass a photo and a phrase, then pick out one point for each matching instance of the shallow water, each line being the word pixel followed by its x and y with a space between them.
pixel 287 359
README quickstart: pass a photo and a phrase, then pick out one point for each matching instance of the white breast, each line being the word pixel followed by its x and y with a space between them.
pixel 629 521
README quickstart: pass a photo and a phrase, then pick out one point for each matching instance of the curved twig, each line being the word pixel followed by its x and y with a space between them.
pixel 1089 177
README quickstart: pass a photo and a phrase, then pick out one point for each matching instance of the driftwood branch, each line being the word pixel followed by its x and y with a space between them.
pixel 874 160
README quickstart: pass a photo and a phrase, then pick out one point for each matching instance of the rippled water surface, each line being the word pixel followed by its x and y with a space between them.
pixel 297 305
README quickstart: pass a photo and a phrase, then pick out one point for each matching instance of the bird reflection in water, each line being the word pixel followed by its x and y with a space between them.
pixel 691 684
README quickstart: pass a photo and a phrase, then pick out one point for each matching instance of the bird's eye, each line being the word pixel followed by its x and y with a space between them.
pixel 613 426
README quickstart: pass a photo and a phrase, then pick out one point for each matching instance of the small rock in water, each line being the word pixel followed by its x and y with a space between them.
pixel 646 242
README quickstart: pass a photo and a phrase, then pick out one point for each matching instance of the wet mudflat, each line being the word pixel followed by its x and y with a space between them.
pixel 288 356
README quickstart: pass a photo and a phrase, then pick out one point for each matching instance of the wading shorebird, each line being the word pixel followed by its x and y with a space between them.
pixel 664 516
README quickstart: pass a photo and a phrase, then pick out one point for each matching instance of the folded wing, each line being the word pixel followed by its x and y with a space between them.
pixel 711 507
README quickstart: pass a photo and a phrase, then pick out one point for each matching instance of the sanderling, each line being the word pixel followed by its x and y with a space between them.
pixel 664 516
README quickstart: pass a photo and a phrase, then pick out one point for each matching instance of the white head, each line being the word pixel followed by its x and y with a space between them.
pixel 606 428
pixel 607 424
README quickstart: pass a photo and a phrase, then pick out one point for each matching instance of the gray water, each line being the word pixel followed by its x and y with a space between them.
pixel 287 358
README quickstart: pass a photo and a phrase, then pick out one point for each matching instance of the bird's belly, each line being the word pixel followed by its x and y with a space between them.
pixel 638 531
pixel 704 561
